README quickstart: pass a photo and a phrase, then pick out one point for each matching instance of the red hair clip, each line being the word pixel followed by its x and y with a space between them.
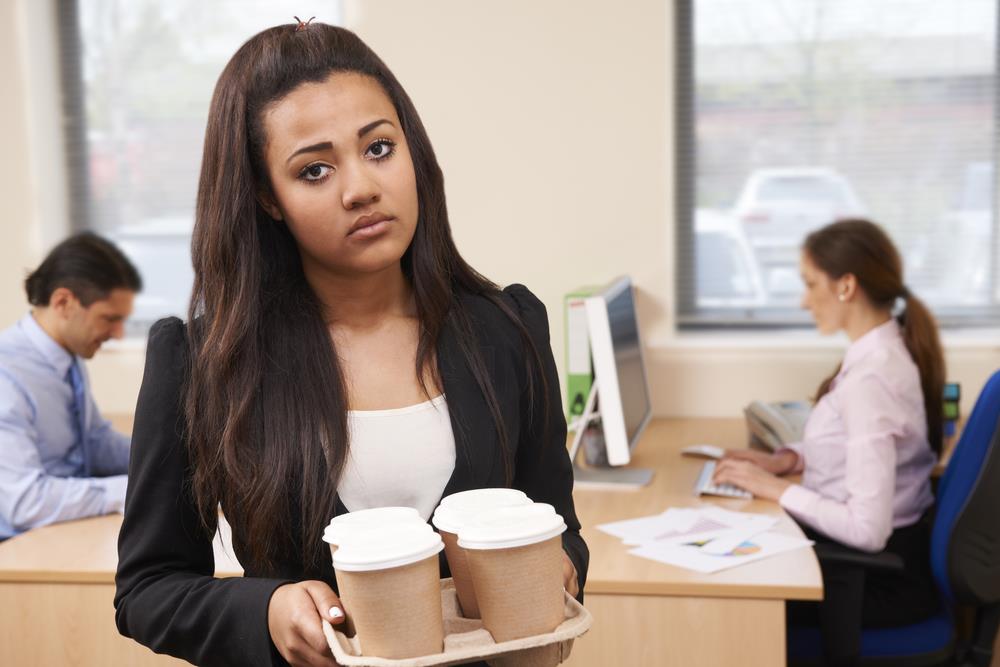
pixel 302 24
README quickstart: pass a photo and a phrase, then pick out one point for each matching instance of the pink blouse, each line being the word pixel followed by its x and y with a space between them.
pixel 865 457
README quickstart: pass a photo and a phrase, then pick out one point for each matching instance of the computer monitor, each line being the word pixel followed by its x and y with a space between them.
pixel 620 392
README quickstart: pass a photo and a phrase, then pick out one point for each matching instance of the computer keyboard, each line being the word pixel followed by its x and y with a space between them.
pixel 704 485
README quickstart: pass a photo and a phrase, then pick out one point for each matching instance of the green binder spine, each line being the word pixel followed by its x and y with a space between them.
pixel 579 370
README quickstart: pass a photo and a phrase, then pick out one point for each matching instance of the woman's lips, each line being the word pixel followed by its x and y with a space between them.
pixel 371 229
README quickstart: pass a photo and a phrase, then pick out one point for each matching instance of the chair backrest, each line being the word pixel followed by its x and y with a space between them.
pixel 965 542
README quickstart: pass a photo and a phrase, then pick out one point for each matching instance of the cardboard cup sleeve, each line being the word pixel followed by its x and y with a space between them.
pixel 396 612
pixel 459 565
pixel 519 589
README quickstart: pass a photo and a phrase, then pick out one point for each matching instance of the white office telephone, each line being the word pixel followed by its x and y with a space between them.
pixel 773 425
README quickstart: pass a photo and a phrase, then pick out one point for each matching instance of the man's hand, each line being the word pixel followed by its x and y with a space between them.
pixel 294 621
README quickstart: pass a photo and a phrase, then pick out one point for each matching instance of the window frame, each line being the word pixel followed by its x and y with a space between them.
pixel 687 314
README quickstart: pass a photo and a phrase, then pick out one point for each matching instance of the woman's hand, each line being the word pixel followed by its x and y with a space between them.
pixel 570 581
pixel 778 463
pixel 294 621
pixel 750 477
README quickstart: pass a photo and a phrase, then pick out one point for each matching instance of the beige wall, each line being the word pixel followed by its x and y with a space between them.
pixel 18 249
pixel 552 121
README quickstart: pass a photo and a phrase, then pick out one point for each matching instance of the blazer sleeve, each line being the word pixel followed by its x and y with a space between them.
pixel 543 469
pixel 166 596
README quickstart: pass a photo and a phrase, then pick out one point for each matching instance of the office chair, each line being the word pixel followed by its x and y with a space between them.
pixel 965 559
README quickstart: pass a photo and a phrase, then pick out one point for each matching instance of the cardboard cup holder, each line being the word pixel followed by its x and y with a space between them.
pixel 466 640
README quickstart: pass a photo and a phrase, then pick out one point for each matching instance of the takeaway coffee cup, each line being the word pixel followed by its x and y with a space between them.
pixel 343 526
pixel 456 511
pixel 515 559
pixel 390 584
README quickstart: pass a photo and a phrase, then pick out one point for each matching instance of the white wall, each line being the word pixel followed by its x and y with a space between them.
pixel 553 124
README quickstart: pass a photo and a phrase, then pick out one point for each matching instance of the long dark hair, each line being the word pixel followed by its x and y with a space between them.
pixel 860 247
pixel 266 401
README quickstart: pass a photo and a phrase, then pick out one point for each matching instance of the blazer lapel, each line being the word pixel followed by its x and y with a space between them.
pixel 476 445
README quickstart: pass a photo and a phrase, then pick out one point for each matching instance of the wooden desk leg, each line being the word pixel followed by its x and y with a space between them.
pixel 683 632
pixel 67 625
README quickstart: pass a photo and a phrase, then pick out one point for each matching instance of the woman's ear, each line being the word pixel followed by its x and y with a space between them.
pixel 847 287
pixel 267 200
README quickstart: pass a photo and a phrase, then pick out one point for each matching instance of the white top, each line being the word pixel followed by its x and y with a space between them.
pixel 865 454
pixel 403 457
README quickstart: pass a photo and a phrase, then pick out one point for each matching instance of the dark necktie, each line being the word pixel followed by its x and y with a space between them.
pixel 79 409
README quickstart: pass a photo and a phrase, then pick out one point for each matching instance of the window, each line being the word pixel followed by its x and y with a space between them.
pixel 137 79
pixel 793 113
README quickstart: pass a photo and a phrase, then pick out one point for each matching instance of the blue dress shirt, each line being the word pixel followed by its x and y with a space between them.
pixel 54 464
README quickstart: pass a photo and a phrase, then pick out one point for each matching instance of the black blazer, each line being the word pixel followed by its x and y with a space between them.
pixel 166 596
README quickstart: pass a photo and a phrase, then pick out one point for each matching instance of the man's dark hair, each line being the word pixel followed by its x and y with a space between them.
pixel 85 264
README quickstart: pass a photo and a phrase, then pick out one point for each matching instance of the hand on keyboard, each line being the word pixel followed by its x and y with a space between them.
pixel 752 478
pixel 706 486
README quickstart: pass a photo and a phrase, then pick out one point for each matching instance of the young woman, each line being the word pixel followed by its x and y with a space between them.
pixel 871 440
pixel 339 354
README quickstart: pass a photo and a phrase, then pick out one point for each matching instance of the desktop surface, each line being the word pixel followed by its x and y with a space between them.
pixel 85 551
pixel 792 575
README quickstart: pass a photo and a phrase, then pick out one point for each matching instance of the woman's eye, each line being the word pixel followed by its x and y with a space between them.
pixel 381 149
pixel 315 172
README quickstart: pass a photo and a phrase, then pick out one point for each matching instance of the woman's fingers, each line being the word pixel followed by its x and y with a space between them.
pixel 327 603
pixel 570 581
pixel 730 471
pixel 749 477
pixel 321 604
pixel 312 648
pixel 306 656
pixel 295 623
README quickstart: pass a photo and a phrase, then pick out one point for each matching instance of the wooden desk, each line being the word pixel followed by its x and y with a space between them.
pixel 648 613
pixel 57 584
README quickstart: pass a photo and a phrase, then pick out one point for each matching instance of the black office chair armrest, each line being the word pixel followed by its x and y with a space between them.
pixel 835 553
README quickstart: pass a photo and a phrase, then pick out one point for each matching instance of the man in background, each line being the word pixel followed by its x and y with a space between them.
pixel 59 459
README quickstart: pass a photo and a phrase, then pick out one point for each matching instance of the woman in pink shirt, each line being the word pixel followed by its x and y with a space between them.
pixel 870 442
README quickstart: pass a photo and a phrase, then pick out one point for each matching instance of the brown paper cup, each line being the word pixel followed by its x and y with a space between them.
pixel 459 566
pixel 396 611
pixel 519 589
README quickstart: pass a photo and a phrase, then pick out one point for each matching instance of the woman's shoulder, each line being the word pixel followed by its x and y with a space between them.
pixel 167 340
pixel 494 312
pixel 890 366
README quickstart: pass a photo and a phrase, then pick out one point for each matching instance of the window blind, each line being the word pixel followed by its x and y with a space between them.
pixel 792 113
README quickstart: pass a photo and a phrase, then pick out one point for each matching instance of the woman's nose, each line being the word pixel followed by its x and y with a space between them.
pixel 360 188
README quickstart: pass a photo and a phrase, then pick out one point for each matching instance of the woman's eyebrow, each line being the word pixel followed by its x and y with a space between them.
pixel 328 145
pixel 315 148
pixel 371 126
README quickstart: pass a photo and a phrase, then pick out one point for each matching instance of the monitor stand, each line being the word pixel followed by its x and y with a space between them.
pixel 599 474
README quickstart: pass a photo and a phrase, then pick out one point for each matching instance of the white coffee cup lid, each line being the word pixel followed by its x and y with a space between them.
pixel 492 497
pixel 508 527
pixel 393 546
pixel 364 520
pixel 459 509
